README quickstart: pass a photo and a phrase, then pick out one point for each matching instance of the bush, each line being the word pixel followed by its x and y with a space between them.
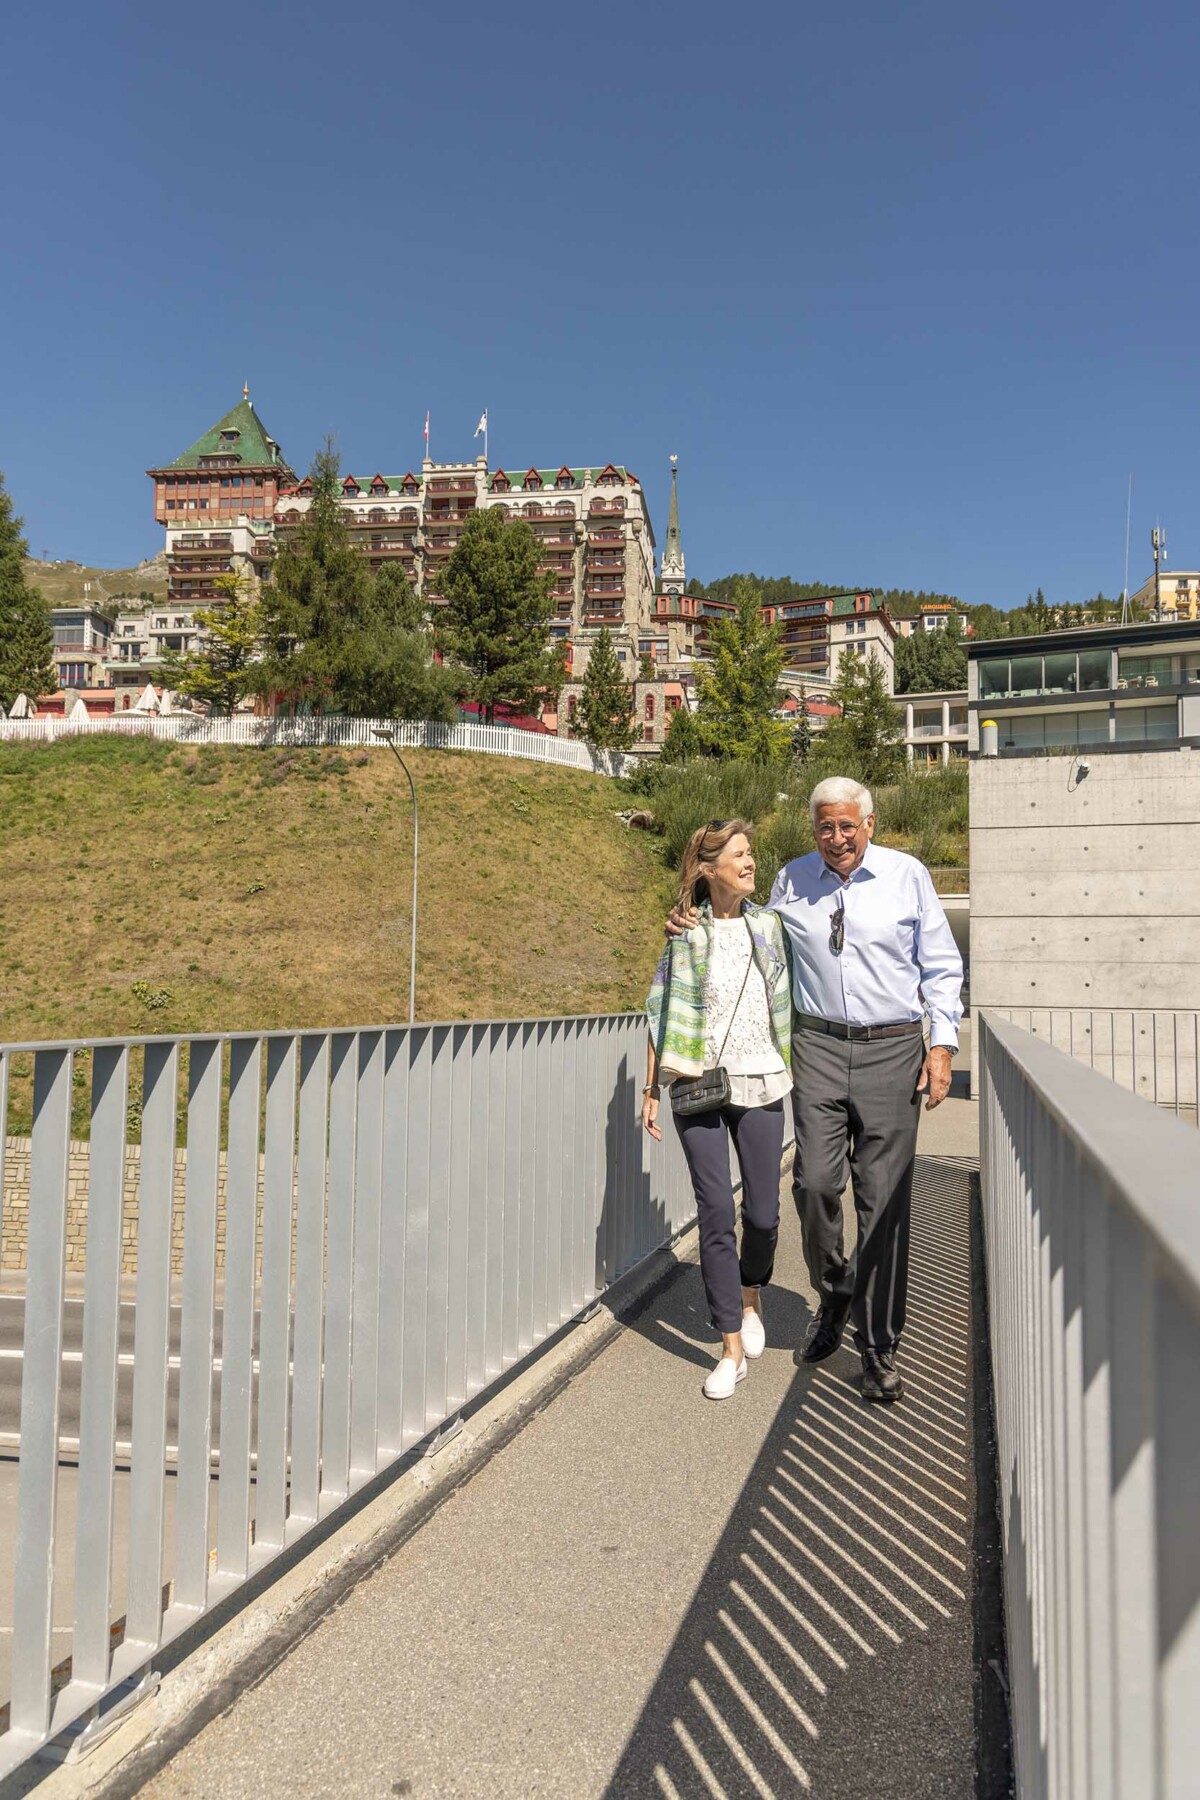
pixel 787 833
pixel 690 794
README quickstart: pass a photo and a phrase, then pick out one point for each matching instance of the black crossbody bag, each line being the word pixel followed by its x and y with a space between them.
pixel 705 1093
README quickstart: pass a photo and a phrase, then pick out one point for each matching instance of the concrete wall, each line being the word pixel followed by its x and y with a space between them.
pixel 1085 903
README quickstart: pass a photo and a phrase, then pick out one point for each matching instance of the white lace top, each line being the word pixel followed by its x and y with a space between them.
pixel 757 1072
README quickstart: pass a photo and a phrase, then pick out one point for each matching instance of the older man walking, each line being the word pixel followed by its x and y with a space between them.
pixel 872 955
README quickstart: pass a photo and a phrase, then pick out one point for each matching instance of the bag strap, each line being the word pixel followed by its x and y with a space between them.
pixel 741 991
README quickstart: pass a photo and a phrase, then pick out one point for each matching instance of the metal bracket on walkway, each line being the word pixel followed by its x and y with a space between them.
pixel 446 1435
pixel 87 1734
pixel 592 1312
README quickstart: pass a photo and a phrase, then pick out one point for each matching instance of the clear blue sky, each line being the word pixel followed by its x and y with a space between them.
pixel 910 289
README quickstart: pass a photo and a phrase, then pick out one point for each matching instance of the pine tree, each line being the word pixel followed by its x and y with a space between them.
pixel 740 692
pixel 26 636
pixel 222 670
pixel 865 742
pixel 495 623
pixel 646 669
pixel 684 739
pixel 604 718
pixel 802 733
pixel 397 599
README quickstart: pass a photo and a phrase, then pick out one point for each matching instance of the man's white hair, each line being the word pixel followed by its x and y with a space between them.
pixel 839 790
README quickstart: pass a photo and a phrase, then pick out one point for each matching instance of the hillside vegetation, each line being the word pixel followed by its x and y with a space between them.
pixel 62 583
pixel 152 888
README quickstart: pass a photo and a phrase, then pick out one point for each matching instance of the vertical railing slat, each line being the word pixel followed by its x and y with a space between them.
pixel 275 1303
pixel 458 1217
pixel 437 1252
pixel 392 1209
pixel 237 1309
pixel 98 1376
pixel 193 1486
pixel 368 1175
pixel 151 1344
pixel 309 1333
pixel 416 1234
pixel 37 1488
pixel 335 1424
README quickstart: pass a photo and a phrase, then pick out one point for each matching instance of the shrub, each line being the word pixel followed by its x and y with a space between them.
pixel 690 794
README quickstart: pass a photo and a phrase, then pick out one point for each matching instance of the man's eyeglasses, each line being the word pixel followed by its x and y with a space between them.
pixel 839 829
pixel 837 929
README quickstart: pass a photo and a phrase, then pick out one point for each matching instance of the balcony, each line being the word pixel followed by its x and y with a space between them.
pixel 600 508
pixel 187 543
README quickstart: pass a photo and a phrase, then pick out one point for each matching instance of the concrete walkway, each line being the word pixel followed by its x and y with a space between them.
pixel 647 1594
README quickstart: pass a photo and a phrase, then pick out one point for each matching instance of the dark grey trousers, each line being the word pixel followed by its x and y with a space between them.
pixel 757 1133
pixel 856 1110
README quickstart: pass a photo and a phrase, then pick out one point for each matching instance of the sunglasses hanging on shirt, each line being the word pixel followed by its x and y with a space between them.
pixel 837 929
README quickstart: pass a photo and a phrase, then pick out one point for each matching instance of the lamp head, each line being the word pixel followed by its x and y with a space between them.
pixel 384 732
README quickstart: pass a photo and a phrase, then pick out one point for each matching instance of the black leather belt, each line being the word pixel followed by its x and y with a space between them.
pixel 858 1034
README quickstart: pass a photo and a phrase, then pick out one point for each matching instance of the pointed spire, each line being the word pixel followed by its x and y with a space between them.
pixel 674 570
pixel 673 550
pixel 245 390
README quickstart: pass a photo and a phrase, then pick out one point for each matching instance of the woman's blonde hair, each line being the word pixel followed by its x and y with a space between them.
pixel 703 852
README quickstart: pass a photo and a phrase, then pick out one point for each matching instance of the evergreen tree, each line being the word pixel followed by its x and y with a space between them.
pixel 931 660
pixel 740 691
pixel 495 623
pixel 222 670
pixel 646 670
pixel 802 733
pixel 26 636
pixel 334 637
pixel 684 739
pixel 604 717
pixel 865 742
pixel 397 599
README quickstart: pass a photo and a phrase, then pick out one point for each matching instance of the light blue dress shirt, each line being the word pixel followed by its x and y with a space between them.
pixel 899 961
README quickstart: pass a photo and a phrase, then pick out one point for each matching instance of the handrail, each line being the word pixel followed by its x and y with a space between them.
pixel 1091 1208
pixel 367 1227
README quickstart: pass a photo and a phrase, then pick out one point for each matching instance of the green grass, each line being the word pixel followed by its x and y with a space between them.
pixel 150 888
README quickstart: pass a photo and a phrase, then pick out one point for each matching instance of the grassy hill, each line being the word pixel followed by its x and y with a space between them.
pixel 151 888
pixel 62 583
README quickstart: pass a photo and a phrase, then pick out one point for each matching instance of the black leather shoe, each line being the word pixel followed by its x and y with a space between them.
pixel 881 1378
pixel 825 1332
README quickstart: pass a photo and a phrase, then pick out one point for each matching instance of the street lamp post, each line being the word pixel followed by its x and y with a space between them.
pixel 388 736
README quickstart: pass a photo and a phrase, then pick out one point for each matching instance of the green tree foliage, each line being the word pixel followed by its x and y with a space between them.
pixel 802 733
pixel 26 637
pixel 336 639
pixel 495 623
pixel 222 670
pixel 740 691
pixel 865 742
pixel 684 740
pixel 398 598
pixel 646 669
pixel 604 717
pixel 929 660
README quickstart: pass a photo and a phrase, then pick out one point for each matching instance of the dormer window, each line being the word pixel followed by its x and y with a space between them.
pixel 500 482
pixel 610 477
pixel 350 488
pixel 532 479
pixel 379 485
pixel 564 479
pixel 410 485
pixel 230 437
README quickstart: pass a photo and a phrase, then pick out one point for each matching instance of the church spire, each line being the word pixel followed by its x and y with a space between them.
pixel 674 570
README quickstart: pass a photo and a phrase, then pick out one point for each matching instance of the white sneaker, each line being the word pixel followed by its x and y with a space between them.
pixel 724 1378
pixel 754 1336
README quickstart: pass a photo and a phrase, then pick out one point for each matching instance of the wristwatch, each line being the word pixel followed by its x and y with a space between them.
pixel 651 1092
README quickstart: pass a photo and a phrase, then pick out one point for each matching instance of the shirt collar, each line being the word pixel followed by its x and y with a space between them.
pixel 868 866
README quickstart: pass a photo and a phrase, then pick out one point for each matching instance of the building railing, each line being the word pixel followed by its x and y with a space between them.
pixel 371 1225
pixel 1092 1233
pixel 325 729
pixel 1155 1055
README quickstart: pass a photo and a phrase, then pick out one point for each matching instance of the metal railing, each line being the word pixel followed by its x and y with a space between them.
pixel 372 1226
pixel 1155 1055
pixel 1092 1228
pixel 323 729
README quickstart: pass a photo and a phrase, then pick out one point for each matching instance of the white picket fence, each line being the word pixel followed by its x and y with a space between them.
pixel 317 731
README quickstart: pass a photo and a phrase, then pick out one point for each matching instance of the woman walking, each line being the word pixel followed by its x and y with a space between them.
pixel 720 1034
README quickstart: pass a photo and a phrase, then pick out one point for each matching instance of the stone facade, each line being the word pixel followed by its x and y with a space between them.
pixel 14 1251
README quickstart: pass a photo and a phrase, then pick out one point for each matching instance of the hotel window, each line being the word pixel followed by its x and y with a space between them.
pixel 649 706
pixel 647 734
